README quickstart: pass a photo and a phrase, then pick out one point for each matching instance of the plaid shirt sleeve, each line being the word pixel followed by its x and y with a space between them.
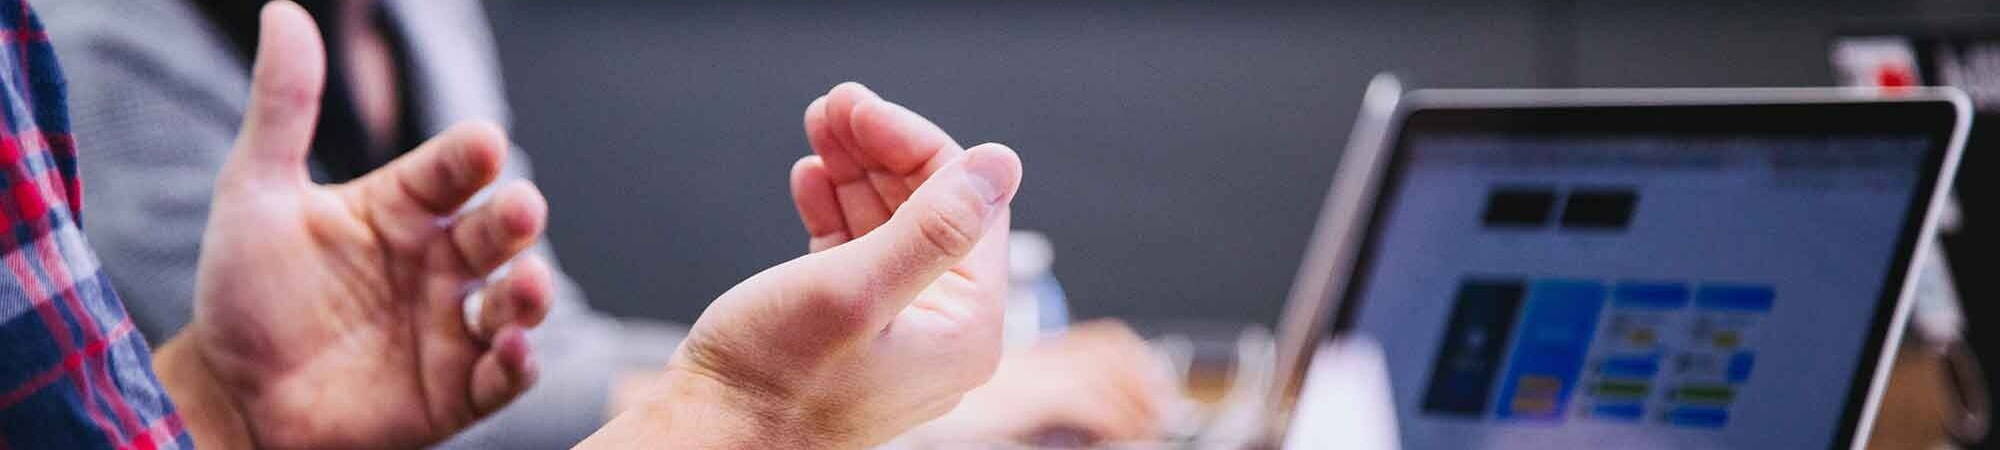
pixel 73 374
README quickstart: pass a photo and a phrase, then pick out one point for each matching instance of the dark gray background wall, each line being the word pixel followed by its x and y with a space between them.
pixel 1176 152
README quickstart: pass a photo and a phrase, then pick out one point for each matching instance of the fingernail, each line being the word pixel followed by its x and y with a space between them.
pixel 864 88
pixel 529 366
pixel 987 175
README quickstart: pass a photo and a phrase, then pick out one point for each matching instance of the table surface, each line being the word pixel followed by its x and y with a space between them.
pixel 1913 407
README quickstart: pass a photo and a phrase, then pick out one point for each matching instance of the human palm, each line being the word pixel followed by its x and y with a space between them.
pixel 333 316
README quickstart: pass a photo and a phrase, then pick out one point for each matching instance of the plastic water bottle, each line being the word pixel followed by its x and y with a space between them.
pixel 1035 301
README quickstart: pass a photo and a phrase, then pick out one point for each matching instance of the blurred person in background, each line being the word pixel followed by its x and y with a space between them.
pixel 158 86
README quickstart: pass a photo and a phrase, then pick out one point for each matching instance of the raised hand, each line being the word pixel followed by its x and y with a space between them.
pixel 870 155
pixel 893 317
pixel 333 316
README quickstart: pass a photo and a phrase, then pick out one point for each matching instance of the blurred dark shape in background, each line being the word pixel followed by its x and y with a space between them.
pixel 1176 152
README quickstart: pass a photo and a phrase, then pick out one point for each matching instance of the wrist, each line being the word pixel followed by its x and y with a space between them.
pixel 207 410
pixel 689 409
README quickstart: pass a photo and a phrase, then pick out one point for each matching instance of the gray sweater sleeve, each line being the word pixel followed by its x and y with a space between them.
pixel 149 158
pixel 155 102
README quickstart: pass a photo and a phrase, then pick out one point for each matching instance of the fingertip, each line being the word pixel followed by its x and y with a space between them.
pixel 815 110
pixel 281 7
pixel 287 14
pixel 898 139
pixel 505 370
pixel 853 88
pixel 826 141
pixel 813 194
pixel 452 167
pixel 815 120
pixel 487 132
pixel 495 232
pixel 287 31
pixel 807 179
pixel 530 285
pixel 516 355
pixel 998 150
pixel 525 210
pixel 807 168
pixel 483 147
pixel 999 167
pixel 510 346
pixel 530 369
pixel 840 103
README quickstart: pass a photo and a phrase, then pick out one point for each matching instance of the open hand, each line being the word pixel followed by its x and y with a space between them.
pixel 332 316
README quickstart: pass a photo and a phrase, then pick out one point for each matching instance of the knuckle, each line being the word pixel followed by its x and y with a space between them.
pixel 448 167
pixel 951 231
pixel 287 96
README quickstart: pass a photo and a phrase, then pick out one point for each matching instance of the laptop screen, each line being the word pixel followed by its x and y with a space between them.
pixel 1635 290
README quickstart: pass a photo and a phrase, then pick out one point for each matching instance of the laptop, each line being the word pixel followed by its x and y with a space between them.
pixel 1656 268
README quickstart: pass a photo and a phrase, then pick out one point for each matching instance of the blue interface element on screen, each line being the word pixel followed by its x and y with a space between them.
pixel 1561 343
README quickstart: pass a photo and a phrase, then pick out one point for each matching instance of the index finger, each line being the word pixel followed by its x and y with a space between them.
pixel 442 174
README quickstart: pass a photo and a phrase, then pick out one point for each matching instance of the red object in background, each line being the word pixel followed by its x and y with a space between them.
pixel 1895 78
pixel 1895 75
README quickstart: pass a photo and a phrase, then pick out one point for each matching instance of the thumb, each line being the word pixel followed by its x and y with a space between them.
pixel 285 90
pixel 940 227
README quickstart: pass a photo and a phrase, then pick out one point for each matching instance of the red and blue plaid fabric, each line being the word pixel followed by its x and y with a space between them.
pixel 73 374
